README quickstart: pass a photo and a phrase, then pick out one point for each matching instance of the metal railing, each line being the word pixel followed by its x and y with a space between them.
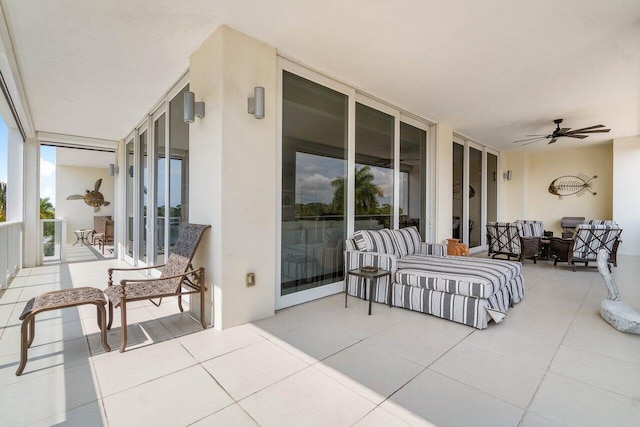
pixel 10 251
pixel 53 233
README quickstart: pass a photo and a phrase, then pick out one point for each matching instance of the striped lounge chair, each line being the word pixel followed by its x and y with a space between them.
pixel 471 291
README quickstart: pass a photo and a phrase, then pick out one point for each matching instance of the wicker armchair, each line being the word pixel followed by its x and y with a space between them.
pixel 177 274
pixel 585 244
pixel 515 239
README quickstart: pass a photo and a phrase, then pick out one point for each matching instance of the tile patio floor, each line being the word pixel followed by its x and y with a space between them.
pixel 553 361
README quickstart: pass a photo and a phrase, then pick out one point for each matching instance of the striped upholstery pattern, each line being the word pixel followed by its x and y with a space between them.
pixel 589 239
pixel 374 241
pixel 530 228
pixel 356 259
pixel 407 240
pixel 433 249
pixel 458 308
pixel 476 277
pixel 350 245
pixel 600 222
pixel 504 238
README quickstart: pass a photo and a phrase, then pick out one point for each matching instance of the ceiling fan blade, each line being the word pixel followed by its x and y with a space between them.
pixel 531 142
pixel 589 128
pixel 590 131
pixel 553 140
pixel 577 136
pixel 537 138
pixel 564 130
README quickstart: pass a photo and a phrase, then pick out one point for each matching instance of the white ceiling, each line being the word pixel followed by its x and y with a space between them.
pixel 495 70
pixel 84 158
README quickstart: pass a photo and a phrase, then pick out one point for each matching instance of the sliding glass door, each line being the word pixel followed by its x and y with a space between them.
pixel 314 185
pixel 474 193
pixel 348 163
pixel 156 193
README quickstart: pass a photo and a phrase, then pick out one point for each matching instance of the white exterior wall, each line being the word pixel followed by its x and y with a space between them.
pixel 233 176
pixel 626 202
pixel 32 229
pixel 76 180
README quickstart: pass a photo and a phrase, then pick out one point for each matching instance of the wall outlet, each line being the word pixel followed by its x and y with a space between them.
pixel 251 279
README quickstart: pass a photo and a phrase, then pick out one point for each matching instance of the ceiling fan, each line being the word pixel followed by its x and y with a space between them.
pixel 564 132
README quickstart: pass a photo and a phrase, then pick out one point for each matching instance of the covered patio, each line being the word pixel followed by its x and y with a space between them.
pixel 553 362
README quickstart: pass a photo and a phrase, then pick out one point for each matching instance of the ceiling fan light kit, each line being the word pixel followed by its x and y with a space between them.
pixel 564 133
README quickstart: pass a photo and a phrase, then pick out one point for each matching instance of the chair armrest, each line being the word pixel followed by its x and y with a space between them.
pixel 433 249
pixel 111 270
pixel 547 233
pixel 124 282
pixel 357 259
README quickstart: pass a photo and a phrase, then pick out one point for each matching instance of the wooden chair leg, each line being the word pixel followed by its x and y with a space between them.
pixel 123 327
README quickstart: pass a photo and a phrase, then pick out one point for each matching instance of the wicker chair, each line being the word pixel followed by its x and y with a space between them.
pixel 510 239
pixel 177 274
pixel 585 244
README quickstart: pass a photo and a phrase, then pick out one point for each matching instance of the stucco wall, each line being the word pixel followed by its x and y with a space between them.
pixel 527 194
pixel 76 180
pixel 233 175
pixel 626 201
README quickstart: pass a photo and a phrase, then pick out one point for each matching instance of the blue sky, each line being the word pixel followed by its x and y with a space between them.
pixel 47 165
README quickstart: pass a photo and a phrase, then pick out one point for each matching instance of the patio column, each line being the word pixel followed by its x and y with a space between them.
pixel 31 234
pixel 232 176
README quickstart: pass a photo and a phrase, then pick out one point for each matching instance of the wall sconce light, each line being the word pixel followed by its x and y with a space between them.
pixel 507 175
pixel 113 169
pixel 192 108
pixel 131 171
pixel 256 104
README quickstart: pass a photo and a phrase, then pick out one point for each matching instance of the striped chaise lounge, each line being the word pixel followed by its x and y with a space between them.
pixel 470 291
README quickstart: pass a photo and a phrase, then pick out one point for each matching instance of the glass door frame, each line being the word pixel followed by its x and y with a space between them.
pixel 353 96
pixel 147 124
pixel 283 301
pixel 130 139
pixel 430 175
pixel 485 191
pixel 467 144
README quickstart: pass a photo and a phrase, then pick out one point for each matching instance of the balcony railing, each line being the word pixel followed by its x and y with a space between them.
pixel 10 251
pixel 53 239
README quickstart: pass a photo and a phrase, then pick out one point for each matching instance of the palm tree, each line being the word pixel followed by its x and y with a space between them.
pixel 366 196
pixel 3 201
pixel 47 211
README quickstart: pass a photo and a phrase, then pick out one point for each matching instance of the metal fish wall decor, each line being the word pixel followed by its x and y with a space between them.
pixel 568 185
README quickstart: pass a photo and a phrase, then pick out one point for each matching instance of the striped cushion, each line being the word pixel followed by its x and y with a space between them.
pixel 601 222
pixel 406 240
pixel 591 238
pixel 474 277
pixel 504 237
pixel 530 228
pixel 350 245
pixel 374 241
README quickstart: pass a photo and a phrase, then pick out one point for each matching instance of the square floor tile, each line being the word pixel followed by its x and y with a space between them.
pixel 374 372
pixel 137 366
pixel 231 416
pixel 210 343
pixel 507 379
pixel 443 401
pixel 37 398
pixel 571 402
pixel 180 398
pixel 601 371
pixel 533 351
pixel 306 398
pixel 314 342
pixel 250 369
